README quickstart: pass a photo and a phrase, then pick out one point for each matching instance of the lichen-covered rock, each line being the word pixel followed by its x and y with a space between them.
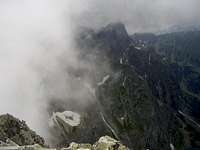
pixel 104 143
pixel 66 121
pixel 76 146
pixel 17 131
pixel 16 135
pixel 108 143
pixel 10 145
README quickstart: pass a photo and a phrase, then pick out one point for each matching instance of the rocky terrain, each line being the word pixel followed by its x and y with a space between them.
pixel 15 135
pixel 146 91
pixel 152 96
pixel 17 131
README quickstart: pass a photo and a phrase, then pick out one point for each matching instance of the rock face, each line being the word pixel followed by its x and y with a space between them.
pixel 153 95
pixel 107 142
pixel 15 135
pixel 104 143
pixel 66 122
pixel 150 99
pixel 17 131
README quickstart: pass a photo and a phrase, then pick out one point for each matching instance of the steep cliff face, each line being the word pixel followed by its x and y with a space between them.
pixel 144 98
pixel 180 51
pixel 180 47
pixel 135 114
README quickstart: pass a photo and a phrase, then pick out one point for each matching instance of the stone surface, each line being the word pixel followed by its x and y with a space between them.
pixel 17 131
pixel 104 143
pixel 108 143
pixel 66 121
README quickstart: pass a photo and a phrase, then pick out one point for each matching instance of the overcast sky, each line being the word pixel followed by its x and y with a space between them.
pixel 143 15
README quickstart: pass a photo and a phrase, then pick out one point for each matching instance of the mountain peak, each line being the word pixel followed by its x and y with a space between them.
pixel 117 28
pixel 117 25
pixel 115 36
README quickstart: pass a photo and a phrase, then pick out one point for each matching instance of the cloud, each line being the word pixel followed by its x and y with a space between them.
pixel 38 55
pixel 143 15
pixel 34 36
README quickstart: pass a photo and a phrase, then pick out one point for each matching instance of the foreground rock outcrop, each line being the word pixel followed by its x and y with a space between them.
pixel 16 135
pixel 104 143
pixel 66 122
pixel 17 131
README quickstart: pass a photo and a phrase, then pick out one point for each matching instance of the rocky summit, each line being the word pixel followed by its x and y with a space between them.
pixel 104 143
pixel 16 135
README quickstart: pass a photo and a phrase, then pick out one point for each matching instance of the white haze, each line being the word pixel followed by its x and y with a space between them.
pixel 33 35
pixel 36 46
pixel 143 15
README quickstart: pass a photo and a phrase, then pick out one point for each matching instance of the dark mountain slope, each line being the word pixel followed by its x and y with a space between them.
pixel 182 50
pixel 180 54
pixel 181 47
pixel 144 99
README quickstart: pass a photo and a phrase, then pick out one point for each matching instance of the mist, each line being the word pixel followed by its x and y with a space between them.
pixel 38 51
pixel 34 36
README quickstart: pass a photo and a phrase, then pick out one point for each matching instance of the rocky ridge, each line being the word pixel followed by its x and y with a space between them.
pixel 147 98
pixel 104 143
pixel 23 138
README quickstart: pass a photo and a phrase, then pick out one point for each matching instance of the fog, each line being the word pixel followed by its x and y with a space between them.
pixel 37 48
pixel 36 36
pixel 144 15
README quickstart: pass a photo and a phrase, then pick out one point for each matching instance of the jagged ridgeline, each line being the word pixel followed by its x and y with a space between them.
pixel 152 97
pixel 147 92
pixel 16 135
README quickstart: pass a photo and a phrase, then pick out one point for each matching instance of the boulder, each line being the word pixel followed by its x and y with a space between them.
pixel 108 143
pixel 104 143
pixel 67 121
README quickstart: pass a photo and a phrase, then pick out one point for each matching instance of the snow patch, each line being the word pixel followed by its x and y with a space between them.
pixel 138 48
pixel 189 118
pixel 103 80
pixel 123 84
pixel 108 125
pixel 107 140
pixel 140 77
pixel 121 61
pixel 172 146
pixel 149 59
